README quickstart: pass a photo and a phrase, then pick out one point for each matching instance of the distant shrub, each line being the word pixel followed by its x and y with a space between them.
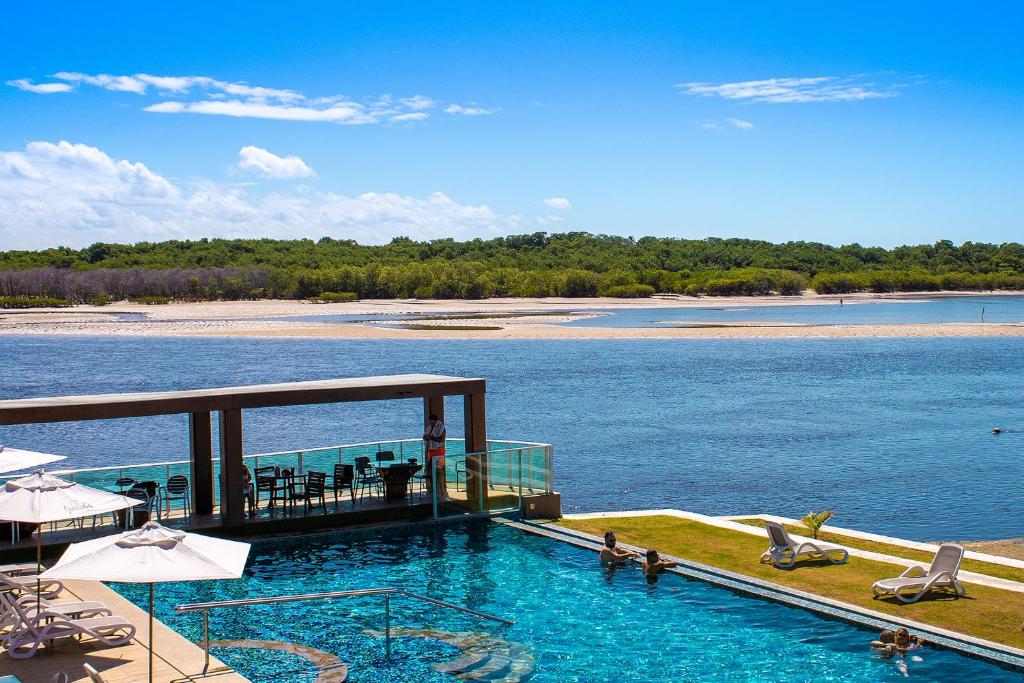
pixel 33 302
pixel 334 297
pixel 99 299
pixel 836 283
pixel 815 520
pixel 631 291
pixel 150 300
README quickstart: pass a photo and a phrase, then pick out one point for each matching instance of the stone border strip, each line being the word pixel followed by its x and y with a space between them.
pixel 728 523
pixel 997 653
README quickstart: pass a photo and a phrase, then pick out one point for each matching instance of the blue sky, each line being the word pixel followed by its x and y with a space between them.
pixel 876 125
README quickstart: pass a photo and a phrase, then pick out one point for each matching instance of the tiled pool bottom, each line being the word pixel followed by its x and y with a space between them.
pixel 574 621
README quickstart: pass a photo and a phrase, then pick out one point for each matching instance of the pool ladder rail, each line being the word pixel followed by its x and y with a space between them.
pixel 205 608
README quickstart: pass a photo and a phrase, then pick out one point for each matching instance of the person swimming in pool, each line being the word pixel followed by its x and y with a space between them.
pixel 654 565
pixel 611 554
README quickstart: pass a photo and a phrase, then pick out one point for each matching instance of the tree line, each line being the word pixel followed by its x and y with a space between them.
pixel 536 265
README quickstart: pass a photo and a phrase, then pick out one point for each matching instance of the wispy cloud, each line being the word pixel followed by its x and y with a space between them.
pixel 258 161
pixel 39 88
pixel 468 111
pixel 215 97
pixel 558 203
pixel 794 90
pixel 740 123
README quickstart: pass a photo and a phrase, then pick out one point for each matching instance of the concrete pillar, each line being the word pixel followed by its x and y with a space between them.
pixel 232 510
pixel 475 416
pixel 200 447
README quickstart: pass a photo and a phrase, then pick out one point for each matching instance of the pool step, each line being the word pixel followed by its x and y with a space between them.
pixel 507 663
pixel 464 663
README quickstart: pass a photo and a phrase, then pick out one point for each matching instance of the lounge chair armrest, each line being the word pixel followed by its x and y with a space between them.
pixel 910 572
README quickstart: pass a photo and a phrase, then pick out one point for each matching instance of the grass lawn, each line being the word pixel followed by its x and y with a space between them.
pixel 984 612
pixel 924 557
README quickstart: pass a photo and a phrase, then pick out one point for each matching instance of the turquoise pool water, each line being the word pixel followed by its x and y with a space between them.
pixel 574 622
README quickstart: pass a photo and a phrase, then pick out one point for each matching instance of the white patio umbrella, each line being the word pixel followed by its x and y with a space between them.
pixel 40 498
pixel 151 554
pixel 16 460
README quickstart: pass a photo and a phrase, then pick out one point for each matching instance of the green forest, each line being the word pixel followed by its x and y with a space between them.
pixel 573 264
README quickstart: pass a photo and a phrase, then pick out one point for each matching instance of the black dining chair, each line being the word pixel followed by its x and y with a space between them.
pixel 265 477
pixel 385 456
pixel 344 477
pixel 123 484
pixel 316 489
pixel 178 488
pixel 366 476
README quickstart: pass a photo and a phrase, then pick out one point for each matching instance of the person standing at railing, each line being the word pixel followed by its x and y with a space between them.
pixel 434 437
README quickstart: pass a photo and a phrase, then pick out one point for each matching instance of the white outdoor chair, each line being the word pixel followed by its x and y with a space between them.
pixel 72 610
pixel 33 630
pixel 784 552
pixel 916 581
pixel 26 583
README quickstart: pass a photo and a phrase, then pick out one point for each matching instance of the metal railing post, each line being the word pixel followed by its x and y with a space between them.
pixel 520 478
pixel 300 463
pixel 206 640
pixel 432 466
pixel 387 625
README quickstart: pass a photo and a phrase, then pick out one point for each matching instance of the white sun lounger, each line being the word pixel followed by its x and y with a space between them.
pixel 915 581
pixel 27 583
pixel 20 568
pixel 783 551
pixel 93 674
pixel 72 610
pixel 33 630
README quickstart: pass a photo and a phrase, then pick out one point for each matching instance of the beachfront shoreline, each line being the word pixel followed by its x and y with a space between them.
pixel 496 319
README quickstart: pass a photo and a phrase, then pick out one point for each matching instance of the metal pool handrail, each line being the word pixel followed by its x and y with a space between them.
pixel 205 607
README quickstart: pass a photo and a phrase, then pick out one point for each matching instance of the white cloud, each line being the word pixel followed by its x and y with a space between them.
pixel 790 90
pixel 211 96
pixel 468 111
pixel 418 102
pixel 39 88
pixel 710 125
pixel 558 203
pixel 411 116
pixel 74 194
pixel 259 161
pixel 740 123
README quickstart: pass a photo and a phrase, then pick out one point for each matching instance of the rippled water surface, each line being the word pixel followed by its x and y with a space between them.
pixel 895 434
pixel 574 622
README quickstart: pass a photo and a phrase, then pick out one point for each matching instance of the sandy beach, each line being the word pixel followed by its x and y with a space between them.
pixel 461 319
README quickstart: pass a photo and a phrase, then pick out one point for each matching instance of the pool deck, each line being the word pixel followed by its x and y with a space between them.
pixel 175 659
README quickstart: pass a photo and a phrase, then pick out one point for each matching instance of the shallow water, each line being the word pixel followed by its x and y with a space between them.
pixel 894 434
pixel 997 309
pixel 575 622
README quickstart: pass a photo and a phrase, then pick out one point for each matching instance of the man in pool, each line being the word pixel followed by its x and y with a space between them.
pixel 611 554
pixel 654 565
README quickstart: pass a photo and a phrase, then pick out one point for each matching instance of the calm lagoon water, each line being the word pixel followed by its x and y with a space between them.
pixel 997 309
pixel 573 621
pixel 895 434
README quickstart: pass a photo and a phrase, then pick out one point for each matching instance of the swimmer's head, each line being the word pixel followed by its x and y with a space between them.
pixel 652 555
pixel 609 539
pixel 902 636
pixel 887 636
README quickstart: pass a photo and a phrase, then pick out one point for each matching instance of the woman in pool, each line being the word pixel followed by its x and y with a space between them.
pixel 611 554
pixel 654 565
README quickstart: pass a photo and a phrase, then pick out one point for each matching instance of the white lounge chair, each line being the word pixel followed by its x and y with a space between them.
pixel 72 610
pixel 33 630
pixel 27 583
pixel 19 569
pixel 915 580
pixel 783 551
pixel 93 674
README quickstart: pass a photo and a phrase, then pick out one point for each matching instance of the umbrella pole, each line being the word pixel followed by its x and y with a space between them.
pixel 150 633
pixel 39 567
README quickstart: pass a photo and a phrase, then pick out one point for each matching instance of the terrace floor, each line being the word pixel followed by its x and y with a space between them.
pixel 175 659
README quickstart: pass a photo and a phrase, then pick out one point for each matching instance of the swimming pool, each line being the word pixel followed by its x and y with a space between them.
pixel 574 621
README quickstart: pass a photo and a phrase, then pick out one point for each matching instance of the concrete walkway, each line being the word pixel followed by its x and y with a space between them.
pixel 175 658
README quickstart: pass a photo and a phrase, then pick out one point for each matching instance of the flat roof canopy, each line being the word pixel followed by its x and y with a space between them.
pixel 110 406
